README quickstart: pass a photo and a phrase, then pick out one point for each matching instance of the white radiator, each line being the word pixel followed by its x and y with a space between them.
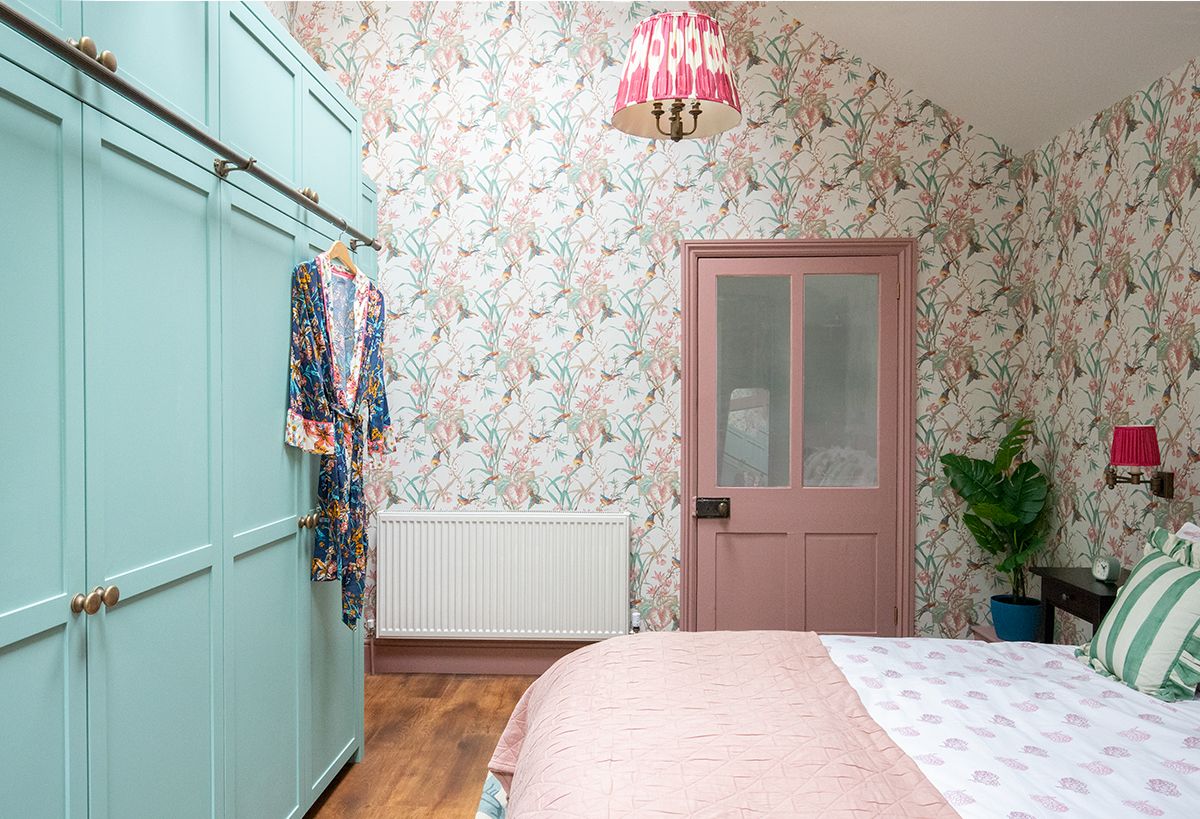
pixel 502 575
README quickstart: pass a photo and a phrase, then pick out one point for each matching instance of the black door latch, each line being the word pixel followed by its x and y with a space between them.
pixel 712 507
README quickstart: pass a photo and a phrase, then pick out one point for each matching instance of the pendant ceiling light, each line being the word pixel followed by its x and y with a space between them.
pixel 677 70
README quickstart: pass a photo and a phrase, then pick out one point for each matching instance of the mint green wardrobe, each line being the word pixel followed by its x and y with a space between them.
pixel 145 346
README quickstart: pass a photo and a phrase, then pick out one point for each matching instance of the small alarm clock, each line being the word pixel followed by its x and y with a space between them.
pixel 1106 569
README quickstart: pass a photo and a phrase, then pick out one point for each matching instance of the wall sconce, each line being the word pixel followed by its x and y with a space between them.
pixel 1137 446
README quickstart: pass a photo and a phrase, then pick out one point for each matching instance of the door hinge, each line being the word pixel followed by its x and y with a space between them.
pixel 895 615
pixel 899 287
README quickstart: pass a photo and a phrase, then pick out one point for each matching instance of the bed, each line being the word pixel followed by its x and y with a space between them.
pixel 781 724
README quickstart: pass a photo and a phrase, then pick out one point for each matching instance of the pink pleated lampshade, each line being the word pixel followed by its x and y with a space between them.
pixel 677 55
pixel 1135 446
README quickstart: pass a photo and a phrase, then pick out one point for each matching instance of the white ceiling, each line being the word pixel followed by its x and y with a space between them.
pixel 1021 72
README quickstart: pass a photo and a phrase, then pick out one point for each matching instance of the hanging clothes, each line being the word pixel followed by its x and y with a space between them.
pixel 337 408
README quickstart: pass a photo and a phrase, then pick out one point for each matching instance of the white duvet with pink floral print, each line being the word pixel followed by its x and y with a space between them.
pixel 1020 730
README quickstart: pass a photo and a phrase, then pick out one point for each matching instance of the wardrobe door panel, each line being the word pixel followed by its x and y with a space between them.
pixel 333 705
pixel 153 473
pixel 60 16
pixel 151 746
pixel 335 708
pixel 259 251
pixel 149 255
pixel 161 46
pixel 263 722
pixel 330 151
pixel 42 742
pixel 368 219
pixel 43 777
pixel 263 563
pixel 260 93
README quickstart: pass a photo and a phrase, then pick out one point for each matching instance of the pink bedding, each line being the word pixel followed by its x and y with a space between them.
pixel 714 724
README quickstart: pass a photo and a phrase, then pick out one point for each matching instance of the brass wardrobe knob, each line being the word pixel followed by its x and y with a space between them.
pixel 91 603
pixel 108 60
pixel 110 596
pixel 77 604
pixel 87 46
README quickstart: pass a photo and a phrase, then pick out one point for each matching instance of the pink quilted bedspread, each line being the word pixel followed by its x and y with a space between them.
pixel 715 724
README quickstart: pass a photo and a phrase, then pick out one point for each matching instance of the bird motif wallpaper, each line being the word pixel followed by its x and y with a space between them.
pixel 531 263
pixel 1111 234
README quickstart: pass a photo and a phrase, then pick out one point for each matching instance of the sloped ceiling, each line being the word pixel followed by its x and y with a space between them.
pixel 1021 72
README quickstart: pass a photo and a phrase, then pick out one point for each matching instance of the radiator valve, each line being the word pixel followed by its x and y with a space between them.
pixel 635 621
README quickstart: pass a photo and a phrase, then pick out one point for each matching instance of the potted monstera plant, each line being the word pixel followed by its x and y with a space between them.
pixel 1006 502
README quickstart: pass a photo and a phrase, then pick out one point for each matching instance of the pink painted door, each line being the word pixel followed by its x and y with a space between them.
pixel 797 389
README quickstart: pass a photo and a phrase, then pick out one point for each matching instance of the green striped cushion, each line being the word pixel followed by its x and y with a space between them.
pixel 1150 638
pixel 1179 549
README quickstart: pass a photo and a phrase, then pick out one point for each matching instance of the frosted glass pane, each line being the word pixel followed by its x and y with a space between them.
pixel 841 380
pixel 754 374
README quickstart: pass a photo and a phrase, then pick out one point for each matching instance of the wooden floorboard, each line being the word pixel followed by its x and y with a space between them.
pixel 429 738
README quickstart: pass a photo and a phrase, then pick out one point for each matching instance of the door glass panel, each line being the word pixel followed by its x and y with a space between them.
pixel 754 374
pixel 841 380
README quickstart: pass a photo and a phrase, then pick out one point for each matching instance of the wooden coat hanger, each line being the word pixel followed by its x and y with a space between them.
pixel 340 253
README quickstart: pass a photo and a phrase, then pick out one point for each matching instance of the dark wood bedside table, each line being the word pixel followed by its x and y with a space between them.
pixel 1075 591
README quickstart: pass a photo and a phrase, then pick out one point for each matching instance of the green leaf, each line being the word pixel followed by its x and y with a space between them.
pixel 1007 565
pixel 1012 444
pixel 1024 493
pixel 1014 561
pixel 984 535
pixel 1030 538
pixel 1007 505
pixel 994 513
pixel 973 479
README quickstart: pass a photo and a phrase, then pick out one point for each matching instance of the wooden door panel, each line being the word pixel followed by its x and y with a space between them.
pixel 832 604
pixel 161 46
pixel 60 16
pixel 42 664
pixel 329 154
pixel 333 711
pixel 333 707
pixel 264 587
pixel 153 472
pixel 40 130
pixel 260 116
pixel 796 390
pixel 263 725
pixel 754 587
pixel 153 687
pixel 150 463
pixel 367 258
pixel 259 251
pixel 43 775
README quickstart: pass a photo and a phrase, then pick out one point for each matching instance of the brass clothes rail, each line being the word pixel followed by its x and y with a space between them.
pixel 102 68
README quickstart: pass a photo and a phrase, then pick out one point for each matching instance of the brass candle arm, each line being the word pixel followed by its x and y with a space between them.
pixel 1162 484
pixel 676 119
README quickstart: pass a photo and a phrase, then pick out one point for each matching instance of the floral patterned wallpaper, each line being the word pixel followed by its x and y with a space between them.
pixel 532 275
pixel 1110 235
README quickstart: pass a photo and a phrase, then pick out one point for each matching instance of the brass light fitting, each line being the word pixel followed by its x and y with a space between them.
pixel 676 119
pixel 1162 484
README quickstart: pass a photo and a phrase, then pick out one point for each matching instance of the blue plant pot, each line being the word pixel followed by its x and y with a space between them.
pixel 1016 618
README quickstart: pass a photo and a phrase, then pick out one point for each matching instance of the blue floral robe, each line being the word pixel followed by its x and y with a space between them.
pixel 337 408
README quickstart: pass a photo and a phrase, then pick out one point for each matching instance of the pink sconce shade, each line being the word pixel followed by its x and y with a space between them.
pixel 1135 446
pixel 677 55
